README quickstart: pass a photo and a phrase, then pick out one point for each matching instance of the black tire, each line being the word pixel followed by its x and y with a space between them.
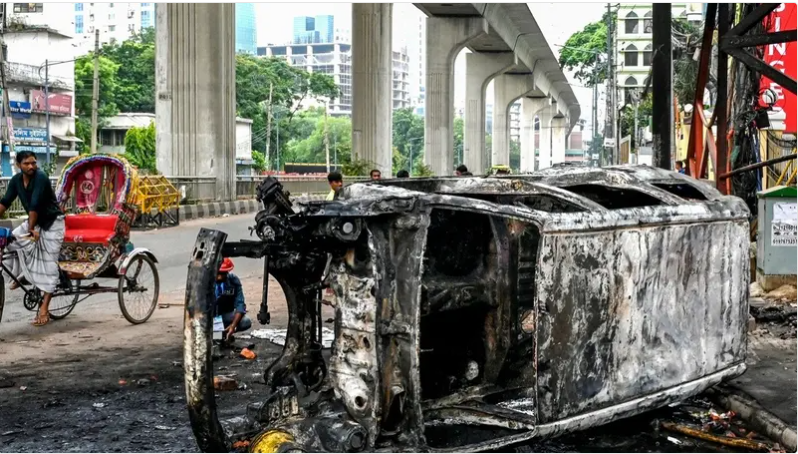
pixel 62 305
pixel 133 271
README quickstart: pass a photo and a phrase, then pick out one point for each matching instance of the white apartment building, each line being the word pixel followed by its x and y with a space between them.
pixel 115 21
pixel 37 33
pixel 634 42
pixel 515 122
pixel 335 59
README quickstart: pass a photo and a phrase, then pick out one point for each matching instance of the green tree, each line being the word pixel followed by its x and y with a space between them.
pixel 515 155
pixel 312 148
pixel 135 88
pixel 84 84
pixel 585 52
pixel 258 161
pixel 408 139
pixel 256 77
pixel 685 69
pixel 140 147
pixel 644 111
pixel 458 141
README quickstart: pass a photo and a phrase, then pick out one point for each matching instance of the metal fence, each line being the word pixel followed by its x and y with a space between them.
pixel 195 190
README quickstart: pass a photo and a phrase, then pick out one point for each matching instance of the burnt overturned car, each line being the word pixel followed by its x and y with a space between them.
pixel 476 313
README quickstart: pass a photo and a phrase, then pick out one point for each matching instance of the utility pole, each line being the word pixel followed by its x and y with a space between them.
pixel 326 139
pixel 47 108
pixel 662 79
pixel 95 95
pixel 609 125
pixel 269 123
pixel 594 120
pixel 8 129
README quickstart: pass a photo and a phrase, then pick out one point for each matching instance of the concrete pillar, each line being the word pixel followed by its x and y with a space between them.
pixel 529 109
pixel 559 139
pixel 544 153
pixel 195 105
pixel 480 70
pixel 372 84
pixel 446 37
pixel 507 88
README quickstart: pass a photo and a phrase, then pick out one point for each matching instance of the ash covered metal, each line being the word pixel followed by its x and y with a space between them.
pixel 518 307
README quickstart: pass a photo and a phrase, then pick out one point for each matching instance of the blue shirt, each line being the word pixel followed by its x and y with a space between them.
pixel 230 296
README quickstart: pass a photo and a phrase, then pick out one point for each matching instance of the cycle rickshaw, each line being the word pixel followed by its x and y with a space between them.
pixel 98 194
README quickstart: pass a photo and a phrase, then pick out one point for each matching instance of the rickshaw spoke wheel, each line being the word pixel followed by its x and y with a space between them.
pixel 2 295
pixel 64 299
pixel 138 290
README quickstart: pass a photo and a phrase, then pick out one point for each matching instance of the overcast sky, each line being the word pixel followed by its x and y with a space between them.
pixel 557 21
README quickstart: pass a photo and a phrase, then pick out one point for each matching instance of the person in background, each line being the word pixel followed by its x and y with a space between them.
pixel 403 174
pixel 336 181
pixel 230 304
pixel 375 175
pixel 461 170
pixel 34 256
pixel 680 167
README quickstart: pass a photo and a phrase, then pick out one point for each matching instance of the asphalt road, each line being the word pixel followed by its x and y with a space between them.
pixel 172 247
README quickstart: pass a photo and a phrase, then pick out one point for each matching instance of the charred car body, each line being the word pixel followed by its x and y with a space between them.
pixel 474 313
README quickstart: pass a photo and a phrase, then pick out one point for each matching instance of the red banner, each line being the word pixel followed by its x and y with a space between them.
pixel 58 104
pixel 781 56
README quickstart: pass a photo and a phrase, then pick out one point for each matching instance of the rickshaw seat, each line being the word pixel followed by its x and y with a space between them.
pixel 90 228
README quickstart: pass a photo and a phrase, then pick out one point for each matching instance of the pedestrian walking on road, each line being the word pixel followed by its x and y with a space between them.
pixel 34 255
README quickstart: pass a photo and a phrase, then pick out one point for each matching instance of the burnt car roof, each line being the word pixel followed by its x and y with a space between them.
pixel 670 187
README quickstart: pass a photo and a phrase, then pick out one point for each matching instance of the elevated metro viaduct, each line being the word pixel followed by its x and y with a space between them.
pixel 195 87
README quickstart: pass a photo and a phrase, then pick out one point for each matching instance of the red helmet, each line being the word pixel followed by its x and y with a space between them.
pixel 227 266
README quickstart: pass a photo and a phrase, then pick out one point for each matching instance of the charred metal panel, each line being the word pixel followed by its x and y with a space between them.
pixel 197 341
pixel 619 309
pixel 374 364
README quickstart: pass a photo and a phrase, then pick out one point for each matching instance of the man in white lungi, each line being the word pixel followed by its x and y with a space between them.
pixel 39 238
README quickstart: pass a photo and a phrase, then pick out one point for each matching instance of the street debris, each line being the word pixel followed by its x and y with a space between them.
pixel 248 354
pixel 165 428
pixel 142 382
pixel 99 405
pixel 277 336
pixel 224 383
pixel 122 382
pixel 785 293
pixel 675 441
pixel 743 443
pixel 23 388
pixel 241 444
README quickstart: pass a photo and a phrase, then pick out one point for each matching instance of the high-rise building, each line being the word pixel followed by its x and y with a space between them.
pixel 246 30
pixel 325 26
pixel 314 30
pixel 335 59
pixel 115 21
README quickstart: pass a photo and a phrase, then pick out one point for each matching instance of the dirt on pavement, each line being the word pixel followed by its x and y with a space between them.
pixel 106 385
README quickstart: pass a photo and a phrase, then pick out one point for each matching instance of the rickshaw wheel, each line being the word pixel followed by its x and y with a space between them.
pixel 63 304
pixel 2 295
pixel 138 292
